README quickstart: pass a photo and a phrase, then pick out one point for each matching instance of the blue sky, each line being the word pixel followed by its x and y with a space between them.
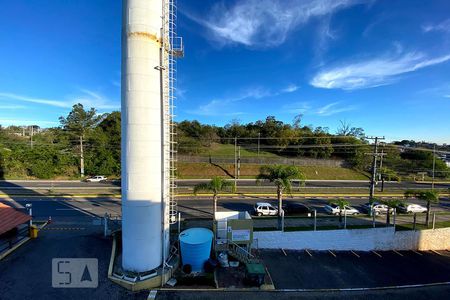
pixel 380 65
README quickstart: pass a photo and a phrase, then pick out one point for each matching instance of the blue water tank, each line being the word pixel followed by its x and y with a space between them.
pixel 195 246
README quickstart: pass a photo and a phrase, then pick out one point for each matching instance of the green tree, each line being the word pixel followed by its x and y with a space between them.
pixel 341 204
pixel 215 185
pixel 429 196
pixel 282 177
pixel 389 174
pixel 79 122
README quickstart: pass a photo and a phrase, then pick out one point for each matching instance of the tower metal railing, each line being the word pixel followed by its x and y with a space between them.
pixel 172 49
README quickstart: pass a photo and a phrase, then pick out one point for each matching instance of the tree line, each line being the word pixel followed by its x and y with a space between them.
pixel 88 143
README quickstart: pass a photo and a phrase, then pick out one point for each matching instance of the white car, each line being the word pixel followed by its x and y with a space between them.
pixel 96 179
pixel 333 209
pixel 265 209
pixel 377 208
pixel 412 208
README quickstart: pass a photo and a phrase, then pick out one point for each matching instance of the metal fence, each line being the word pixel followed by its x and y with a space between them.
pixel 263 160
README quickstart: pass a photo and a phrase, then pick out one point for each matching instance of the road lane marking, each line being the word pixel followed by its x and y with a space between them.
pixel 397 252
pixel 152 295
pixel 435 252
pixel 64 228
pixel 308 252
pixel 418 253
pixel 331 252
pixel 88 209
pixel 354 253
pixel 284 252
pixel 377 254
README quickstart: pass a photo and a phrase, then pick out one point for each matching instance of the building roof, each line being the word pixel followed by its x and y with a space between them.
pixel 11 218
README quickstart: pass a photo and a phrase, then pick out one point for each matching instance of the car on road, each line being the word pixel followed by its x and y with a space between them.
pixel 96 179
pixel 295 208
pixel 377 208
pixel 265 209
pixel 411 208
pixel 333 209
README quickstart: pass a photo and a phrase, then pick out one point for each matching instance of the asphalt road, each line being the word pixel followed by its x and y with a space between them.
pixel 86 210
pixel 327 184
pixel 40 184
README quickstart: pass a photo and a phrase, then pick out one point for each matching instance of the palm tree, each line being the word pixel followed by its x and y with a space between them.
pixel 391 204
pixel 282 177
pixel 215 185
pixel 429 196
pixel 341 203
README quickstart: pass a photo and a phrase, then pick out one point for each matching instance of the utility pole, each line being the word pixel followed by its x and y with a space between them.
pixel 259 137
pixel 81 156
pixel 381 159
pixel 381 177
pixel 235 162
pixel 375 154
pixel 239 163
pixel 434 165
pixel 31 136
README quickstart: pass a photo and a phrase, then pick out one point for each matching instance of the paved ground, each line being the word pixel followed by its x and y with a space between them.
pixel 66 209
pixel 322 270
pixel 26 273
pixel 189 183
pixel 425 293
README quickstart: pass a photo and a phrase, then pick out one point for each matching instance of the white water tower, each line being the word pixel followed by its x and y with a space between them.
pixel 148 67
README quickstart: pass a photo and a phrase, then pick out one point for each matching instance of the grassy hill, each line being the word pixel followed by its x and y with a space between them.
pixel 205 170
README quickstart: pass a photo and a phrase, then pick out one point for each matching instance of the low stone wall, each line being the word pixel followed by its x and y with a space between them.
pixel 356 239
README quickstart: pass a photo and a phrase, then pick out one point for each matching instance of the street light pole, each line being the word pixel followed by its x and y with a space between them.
pixel 259 137
pixel 235 162
pixel 374 170
pixel 239 162
pixel 434 165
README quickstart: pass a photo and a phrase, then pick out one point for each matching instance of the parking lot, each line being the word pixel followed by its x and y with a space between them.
pixel 27 272
pixel 354 269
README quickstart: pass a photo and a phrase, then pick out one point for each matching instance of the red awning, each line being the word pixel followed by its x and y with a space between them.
pixel 11 218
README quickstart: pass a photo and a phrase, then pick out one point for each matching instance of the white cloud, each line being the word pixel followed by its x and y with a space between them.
pixel 264 23
pixel 87 97
pixel 11 96
pixel 18 122
pixel 290 88
pixel 333 108
pixel 12 107
pixel 443 26
pixel 373 72
pixel 324 111
pixel 297 108
pixel 224 106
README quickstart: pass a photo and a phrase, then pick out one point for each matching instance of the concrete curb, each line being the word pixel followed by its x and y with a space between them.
pixel 309 195
pixel 309 290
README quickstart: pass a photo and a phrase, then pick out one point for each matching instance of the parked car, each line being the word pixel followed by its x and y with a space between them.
pixel 265 209
pixel 295 208
pixel 96 179
pixel 333 209
pixel 376 208
pixel 411 208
